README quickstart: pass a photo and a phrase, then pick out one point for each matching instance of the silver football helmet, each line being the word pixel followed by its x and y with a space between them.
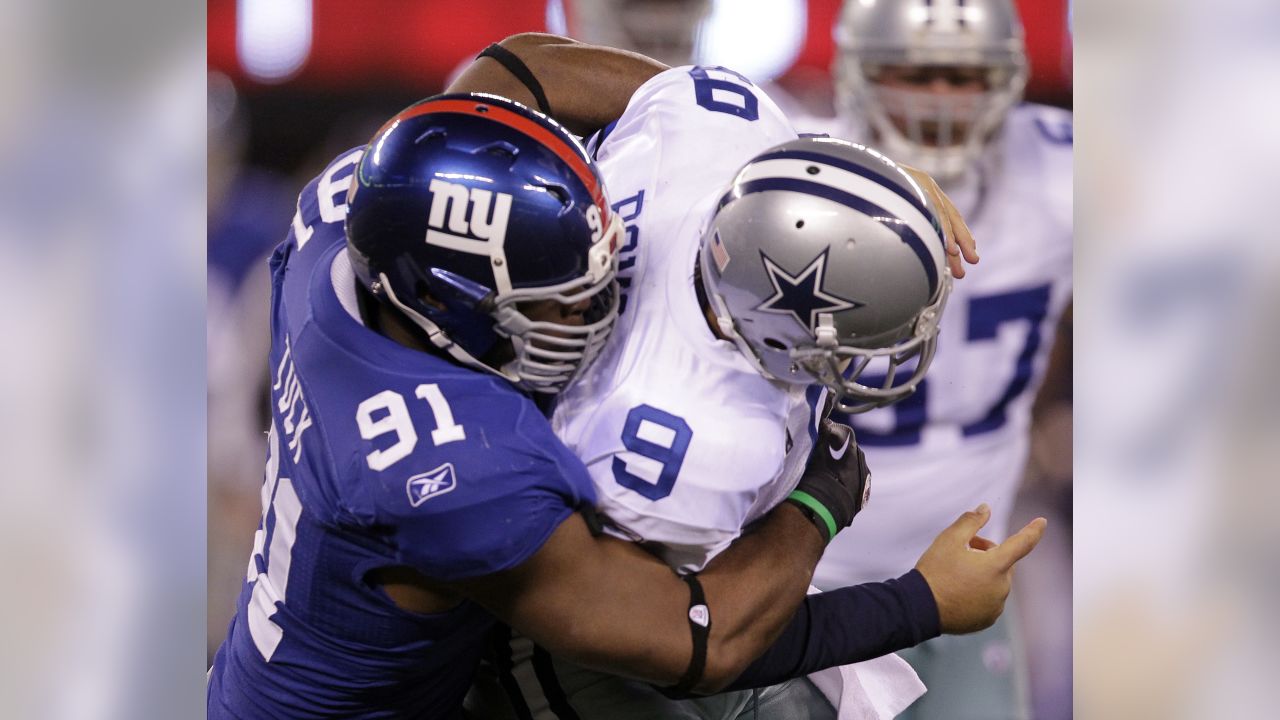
pixel 823 257
pixel 665 30
pixel 891 51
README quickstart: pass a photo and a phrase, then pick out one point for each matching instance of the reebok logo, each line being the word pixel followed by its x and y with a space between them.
pixel 837 453
pixel 431 484
pixel 468 219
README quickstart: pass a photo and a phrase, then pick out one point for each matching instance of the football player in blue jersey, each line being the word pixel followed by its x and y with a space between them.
pixel 435 286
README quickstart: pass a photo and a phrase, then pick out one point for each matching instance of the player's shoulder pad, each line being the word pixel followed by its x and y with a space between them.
pixel 1039 147
pixel 463 471
pixel 323 199
pixel 698 97
pixel 1049 128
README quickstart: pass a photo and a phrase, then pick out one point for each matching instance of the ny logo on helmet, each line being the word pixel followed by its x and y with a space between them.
pixel 488 220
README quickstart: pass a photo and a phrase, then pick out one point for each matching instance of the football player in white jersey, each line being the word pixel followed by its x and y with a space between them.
pixel 935 83
pixel 744 298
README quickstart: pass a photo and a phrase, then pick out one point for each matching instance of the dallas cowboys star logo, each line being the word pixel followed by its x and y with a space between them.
pixel 802 295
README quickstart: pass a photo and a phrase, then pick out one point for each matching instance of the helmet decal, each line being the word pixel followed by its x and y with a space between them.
pixel 802 295
pixel 467 214
pixel 852 270
pixel 844 194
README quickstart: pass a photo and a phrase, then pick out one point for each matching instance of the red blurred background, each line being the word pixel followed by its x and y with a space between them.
pixel 416 43
pixel 380 55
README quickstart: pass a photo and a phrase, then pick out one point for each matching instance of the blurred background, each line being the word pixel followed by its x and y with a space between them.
pixel 111 183
pixel 292 83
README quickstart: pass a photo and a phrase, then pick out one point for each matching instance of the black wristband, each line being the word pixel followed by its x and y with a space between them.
pixel 700 627
pixel 516 67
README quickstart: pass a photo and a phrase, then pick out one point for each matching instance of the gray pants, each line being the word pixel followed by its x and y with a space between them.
pixel 553 689
pixel 972 677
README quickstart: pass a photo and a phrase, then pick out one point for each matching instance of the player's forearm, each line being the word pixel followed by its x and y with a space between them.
pixel 754 588
pixel 848 625
pixel 586 86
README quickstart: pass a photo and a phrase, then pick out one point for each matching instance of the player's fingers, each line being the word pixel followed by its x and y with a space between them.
pixel 977 542
pixel 956 265
pixel 961 246
pixel 959 239
pixel 828 405
pixel 1017 546
pixel 964 239
pixel 968 524
pixel 954 231
pixel 829 427
pixel 838 435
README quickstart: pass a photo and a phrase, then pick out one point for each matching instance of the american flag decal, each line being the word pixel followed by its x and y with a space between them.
pixel 718 252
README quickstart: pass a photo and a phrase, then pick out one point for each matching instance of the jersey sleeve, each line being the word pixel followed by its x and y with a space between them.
pixel 322 204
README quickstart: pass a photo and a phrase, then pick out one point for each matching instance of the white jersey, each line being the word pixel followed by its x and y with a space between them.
pixel 685 440
pixel 962 438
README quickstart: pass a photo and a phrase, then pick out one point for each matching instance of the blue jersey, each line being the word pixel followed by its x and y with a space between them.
pixel 380 456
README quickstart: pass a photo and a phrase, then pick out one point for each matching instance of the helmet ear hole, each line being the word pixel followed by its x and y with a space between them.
pixel 775 343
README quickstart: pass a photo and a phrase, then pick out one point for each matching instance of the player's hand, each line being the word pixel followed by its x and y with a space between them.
pixel 960 242
pixel 836 484
pixel 970 576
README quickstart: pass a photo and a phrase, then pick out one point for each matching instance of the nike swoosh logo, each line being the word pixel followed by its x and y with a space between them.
pixel 837 454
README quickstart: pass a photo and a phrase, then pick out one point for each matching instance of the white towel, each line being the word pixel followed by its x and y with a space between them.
pixel 875 689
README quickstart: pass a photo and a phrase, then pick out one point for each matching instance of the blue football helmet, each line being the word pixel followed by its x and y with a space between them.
pixel 463 209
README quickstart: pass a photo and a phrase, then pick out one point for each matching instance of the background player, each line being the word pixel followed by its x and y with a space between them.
pixel 936 84
pixel 665 30
pixel 688 437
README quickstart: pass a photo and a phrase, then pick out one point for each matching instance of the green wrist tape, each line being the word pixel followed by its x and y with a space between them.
pixel 805 499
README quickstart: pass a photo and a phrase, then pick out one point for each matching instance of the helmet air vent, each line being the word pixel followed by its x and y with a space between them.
pixel 431 134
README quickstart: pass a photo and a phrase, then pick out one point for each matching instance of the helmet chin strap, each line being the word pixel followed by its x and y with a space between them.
pixel 826 334
pixel 438 337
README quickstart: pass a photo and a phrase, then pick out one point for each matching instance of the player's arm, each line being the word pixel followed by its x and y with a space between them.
pixel 607 604
pixel 585 86
pixel 610 605
pixel 958 586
